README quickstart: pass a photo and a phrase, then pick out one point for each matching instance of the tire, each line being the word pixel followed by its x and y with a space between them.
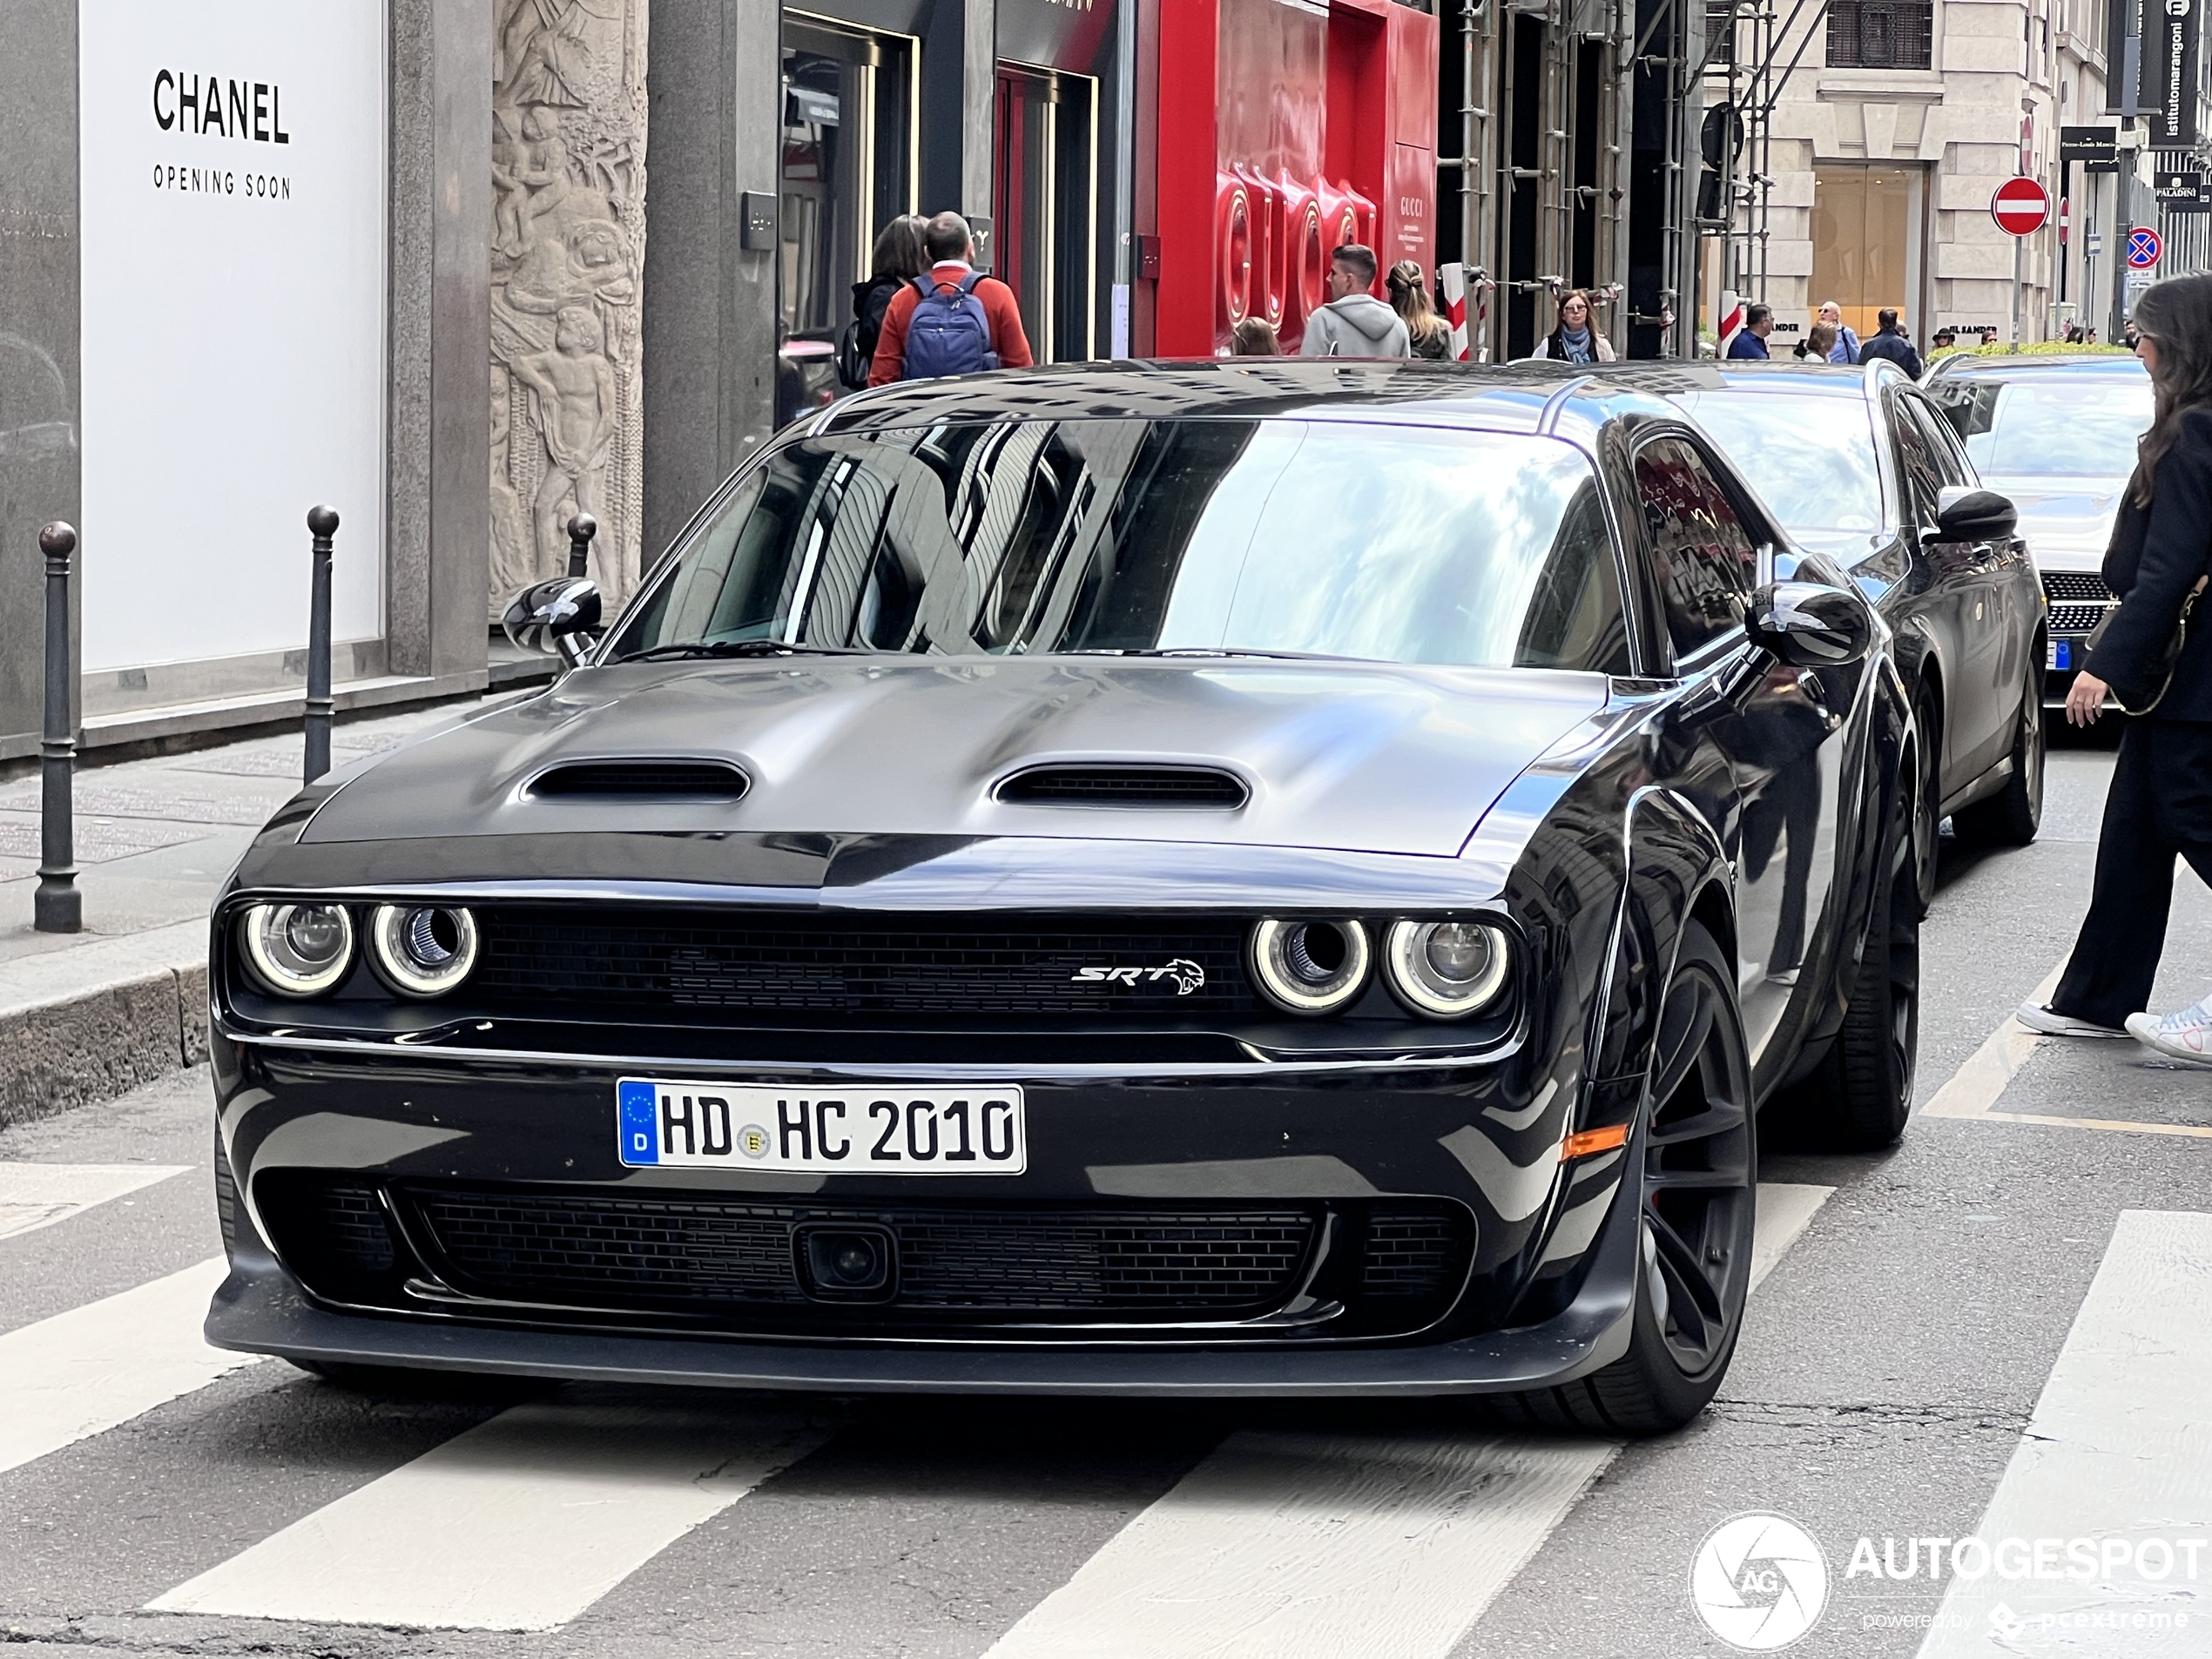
pixel 1699 1190
pixel 1859 1097
pixel 2012 817
pixel 1927 797
pixel 411 1382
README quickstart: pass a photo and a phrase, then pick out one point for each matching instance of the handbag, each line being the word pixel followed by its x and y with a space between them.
pixel 2167 659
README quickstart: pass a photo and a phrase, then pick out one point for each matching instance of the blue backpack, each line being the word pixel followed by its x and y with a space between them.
pixel 950 331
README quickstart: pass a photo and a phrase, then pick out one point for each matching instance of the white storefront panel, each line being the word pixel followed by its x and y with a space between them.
pixel 233 183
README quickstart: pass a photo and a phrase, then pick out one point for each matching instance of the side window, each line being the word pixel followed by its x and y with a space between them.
pixel 1951 455
pixel 1702 560
pixel 1918 457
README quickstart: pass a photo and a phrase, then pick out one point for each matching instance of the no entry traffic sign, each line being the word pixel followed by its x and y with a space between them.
pixel 2143 247
pixel 2021 205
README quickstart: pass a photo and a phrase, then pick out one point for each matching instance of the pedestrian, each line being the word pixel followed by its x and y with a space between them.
pixel 1944 339
pixel 1892 343
pixel 952 319
pixel 1819 344
pixel 1988 335
pixel 1354 323
pixel 2128 334
pixel 1845 350
pixel 2159 801
pixel 1255 337
pixel 1426 334
pixel 2076 334
pixel 1750 339
pixel 896 261
pixel 1573 338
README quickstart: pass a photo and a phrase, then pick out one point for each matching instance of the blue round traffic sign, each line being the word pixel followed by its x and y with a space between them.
pixel 2143 247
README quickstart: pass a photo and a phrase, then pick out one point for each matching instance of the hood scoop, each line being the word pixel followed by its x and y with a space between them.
pixel 1146 788
pixel 642 779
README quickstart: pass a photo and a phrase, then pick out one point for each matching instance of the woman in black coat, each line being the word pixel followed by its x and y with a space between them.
pixel 2160 800
pixel 896 259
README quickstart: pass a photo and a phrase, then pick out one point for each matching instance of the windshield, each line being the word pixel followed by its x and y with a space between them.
pixel 1810 457
pixel 2074 425
pixel 1397 544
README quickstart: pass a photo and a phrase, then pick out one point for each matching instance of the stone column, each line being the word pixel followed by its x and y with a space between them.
pixel 568 260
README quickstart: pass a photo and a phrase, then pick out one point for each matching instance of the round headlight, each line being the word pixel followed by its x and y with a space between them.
pixel 1310 966
pixel 1446 969
pixel 422 950
pixel 297 949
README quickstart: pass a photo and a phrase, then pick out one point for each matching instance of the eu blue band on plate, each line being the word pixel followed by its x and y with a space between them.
pixel 640 1123
pixel 2062 653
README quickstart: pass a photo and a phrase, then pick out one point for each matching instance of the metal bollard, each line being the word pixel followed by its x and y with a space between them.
pixel 57 906
pixel 582 529
pixel 322 524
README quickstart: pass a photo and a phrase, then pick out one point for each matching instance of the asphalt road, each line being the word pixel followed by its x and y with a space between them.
pixel 1919 1305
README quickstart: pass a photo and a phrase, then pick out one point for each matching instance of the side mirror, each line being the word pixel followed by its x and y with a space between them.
pixel 556 616
pixel 1963 515
pixel 1807 626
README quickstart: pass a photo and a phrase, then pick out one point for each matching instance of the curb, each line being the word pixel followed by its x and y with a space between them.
pixel 91 1021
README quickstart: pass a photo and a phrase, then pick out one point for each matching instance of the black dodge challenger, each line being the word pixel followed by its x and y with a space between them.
pixel 1252 879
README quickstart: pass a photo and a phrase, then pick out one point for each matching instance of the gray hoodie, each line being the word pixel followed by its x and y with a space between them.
pixel 1357 326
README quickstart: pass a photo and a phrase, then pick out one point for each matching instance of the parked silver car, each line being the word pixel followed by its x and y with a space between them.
pixel 2057 435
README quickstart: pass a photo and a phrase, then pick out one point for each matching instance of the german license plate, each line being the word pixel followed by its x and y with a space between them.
pixel 881 1130
pixel 2061 655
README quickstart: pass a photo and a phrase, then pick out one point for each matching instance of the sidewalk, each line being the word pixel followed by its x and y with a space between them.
pixel 87 1016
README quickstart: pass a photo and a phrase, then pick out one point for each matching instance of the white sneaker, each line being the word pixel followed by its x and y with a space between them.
pixel 2183 1035
pixel 2036 1017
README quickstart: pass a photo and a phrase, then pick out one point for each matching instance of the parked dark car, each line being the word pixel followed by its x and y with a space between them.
pixel 2056 436
pixel 1857 463
pixel 1280 878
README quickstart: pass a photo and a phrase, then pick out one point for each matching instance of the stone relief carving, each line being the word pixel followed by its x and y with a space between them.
pixel 567 259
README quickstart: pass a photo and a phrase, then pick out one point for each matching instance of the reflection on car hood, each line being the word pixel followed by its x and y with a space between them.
pixel 2066 521
pixel 1359 756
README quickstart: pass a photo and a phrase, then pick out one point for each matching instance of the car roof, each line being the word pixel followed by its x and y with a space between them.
pixel 1567 401
pixel 2010 365
pixel 1750 375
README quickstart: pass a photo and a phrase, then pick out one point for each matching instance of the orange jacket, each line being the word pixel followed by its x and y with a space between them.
pixel 999 309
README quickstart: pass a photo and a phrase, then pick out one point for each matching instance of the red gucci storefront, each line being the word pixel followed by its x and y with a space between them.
pixel 1285 128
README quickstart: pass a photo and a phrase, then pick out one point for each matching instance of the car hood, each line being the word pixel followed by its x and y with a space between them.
pixel 1367 757
pixel 2066 521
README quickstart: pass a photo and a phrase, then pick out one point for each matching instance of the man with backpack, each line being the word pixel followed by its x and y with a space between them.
pixel 952 319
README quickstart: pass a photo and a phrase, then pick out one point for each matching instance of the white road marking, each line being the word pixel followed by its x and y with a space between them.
pixel 2116 1451
pixel 83 1372
pixel 1974 1088
pixel 520 1524
pixel 38 1195
pixel 1310 1546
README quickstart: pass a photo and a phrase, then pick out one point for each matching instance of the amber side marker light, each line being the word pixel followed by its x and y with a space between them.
pixel 1582 1142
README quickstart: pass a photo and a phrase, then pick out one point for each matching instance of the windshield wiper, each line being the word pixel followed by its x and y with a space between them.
pixel 737 648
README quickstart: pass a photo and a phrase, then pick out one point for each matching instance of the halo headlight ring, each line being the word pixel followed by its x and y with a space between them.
pixel 1447 970
pixel 1311 968
pixel 422 950
pixel 296 950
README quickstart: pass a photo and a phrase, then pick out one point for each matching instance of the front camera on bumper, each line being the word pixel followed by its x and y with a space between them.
pixel 422 950
pixel 1310 966
pixel 1446 969
pixel 297 949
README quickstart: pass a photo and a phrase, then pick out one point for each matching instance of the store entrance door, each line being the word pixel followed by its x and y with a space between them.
pixel 1044 208
pixel 1866 243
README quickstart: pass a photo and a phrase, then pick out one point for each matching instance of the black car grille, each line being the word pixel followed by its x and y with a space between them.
pixel 732 1262
pixel 695 967
pixel 2075 584
pixel 2077 618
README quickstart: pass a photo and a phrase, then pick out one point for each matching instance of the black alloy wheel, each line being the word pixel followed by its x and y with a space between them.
pixel 1698 1196
pixel 1859 1096
pixel 2012 817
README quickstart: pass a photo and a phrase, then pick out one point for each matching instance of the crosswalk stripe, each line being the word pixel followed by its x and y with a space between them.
pixel 2115 1451
pixel 38 1195
pixel 519 1524
pixel 86 1371
pixel 1304 1545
